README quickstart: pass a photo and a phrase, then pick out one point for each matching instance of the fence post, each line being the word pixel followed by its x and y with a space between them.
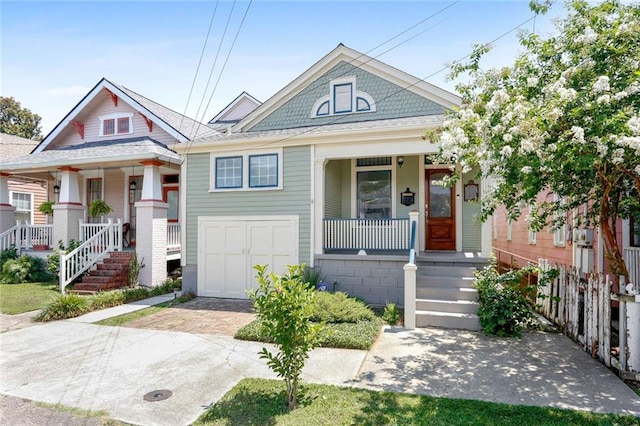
pixel 632 332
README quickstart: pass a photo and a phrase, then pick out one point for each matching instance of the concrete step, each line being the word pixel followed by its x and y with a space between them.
pixel 447 320
pixel 445 271
pixel 426 281
pixel 447 293
pixel 452 306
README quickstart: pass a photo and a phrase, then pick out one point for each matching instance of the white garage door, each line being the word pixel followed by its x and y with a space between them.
pixel 229 247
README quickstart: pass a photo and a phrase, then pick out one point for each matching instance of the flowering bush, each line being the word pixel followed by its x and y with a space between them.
pixel 564 120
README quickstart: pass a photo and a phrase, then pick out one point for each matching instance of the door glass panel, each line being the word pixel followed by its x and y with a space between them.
pixel 439 196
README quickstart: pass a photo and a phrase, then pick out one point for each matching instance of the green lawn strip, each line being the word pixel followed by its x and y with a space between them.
pixel 358 335
pixel 263 402
pixel 20 298
pixel 125 318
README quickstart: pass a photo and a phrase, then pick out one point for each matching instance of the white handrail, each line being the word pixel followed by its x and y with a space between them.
pixel 96 248
pixel 173 236
pixel 9 238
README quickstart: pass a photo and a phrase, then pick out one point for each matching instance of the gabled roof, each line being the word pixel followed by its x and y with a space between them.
pixel 177 125
pixel 91 153
pixel 14 146
pixel 344 54
pixel 238 109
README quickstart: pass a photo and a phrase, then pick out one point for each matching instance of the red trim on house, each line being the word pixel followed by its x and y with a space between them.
pixel 152 199
pixel 69 204
pixel 114 97
pixel 151 163
pixel 68 169
pixel 148 122
pixel 79 127
pixel 5 174
pixel 5 205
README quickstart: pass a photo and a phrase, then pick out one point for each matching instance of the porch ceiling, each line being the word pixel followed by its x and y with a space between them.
pixel 92 155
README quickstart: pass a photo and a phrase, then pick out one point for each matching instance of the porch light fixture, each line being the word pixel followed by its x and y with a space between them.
pixel 56 189
pixel 132 185
pixel 400 161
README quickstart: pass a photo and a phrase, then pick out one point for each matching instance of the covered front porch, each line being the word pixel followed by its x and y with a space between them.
pixel 142 196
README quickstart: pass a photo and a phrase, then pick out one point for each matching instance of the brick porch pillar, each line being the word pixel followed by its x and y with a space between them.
pixel 68 211
pixel 151 229
pixel 7 211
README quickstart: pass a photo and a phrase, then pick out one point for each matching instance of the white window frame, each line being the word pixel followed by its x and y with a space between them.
pixel 115 117
pixel 354 184
pixel 31 210
pixel 509 229
pixel 560 234
pixel 245 170
pixel 533 237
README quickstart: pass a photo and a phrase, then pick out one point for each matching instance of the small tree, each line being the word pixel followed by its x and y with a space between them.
pixel 284 304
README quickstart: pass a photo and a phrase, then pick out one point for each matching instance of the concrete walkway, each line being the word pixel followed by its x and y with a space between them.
pixel 78 364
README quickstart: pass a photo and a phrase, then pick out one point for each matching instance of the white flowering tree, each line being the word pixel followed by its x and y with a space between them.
pixel 563 120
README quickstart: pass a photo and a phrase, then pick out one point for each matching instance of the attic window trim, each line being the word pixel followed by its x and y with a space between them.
pixel 116 124
pixel 328 105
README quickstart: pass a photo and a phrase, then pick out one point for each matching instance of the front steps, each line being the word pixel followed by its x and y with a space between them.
pixel 112 273
pixel 444 295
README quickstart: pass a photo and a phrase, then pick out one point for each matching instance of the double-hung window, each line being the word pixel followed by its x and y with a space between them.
pixel 23 202
pixel 116 124
pixel 247 171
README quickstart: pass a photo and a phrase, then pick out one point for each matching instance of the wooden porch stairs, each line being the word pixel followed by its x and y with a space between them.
pixel 112 273
pixel 444 295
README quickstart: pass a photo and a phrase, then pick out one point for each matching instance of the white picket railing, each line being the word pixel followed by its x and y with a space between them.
pixel 367 234
pixel 173 237
pixel 94 249
pixel 582 310
pixel 8 238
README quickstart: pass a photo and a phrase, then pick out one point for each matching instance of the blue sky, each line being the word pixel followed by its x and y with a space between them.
pixel 54 52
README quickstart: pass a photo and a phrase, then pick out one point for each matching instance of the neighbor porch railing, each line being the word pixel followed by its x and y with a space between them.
pixel 26 236
pixel 632 259
pixel 366 234
pixel 173 237
pixel 107 238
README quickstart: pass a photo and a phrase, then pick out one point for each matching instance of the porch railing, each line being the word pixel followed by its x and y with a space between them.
pixel 88 230
pixel 632 259
pixel 87 254
pixel 367 234
pixel 173 237
pixel 26 236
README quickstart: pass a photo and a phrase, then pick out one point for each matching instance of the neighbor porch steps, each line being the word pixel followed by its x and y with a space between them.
pixel 112 273
pixel 444 295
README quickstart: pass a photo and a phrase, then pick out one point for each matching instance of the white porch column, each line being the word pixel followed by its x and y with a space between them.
pixel 68 211
pixel 318 205
pixel 485 229
pixel 7 211
pixel 151 228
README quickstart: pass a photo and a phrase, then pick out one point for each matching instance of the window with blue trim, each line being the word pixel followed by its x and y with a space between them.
pixel 263 170
pixel 229 172
pixel 342 98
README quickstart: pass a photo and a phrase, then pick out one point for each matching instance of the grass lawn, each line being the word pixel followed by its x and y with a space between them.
pixel 20 298
pixel 263 402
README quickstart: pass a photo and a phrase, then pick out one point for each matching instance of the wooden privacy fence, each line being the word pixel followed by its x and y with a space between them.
pixel 582 310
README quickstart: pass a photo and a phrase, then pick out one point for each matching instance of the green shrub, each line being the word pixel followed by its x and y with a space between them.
pixel 504 309
pixel 339 307
pixel 65 306
pixel 107 299
pixel 24 269
pixel 8 254
pixel 311 276
pixel 391 314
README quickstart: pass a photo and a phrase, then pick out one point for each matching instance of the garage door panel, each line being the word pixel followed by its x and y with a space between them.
pixel 230 248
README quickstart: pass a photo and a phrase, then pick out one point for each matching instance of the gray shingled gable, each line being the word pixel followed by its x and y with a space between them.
pixel 392 101
pixel 111 150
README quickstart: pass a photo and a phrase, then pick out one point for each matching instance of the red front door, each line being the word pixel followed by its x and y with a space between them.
pixel 440 226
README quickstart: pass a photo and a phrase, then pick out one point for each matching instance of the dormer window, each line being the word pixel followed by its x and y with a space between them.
pixel 116 124
pixel 343 99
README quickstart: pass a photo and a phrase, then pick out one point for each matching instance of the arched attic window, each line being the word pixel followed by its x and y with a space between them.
pixel 343 98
